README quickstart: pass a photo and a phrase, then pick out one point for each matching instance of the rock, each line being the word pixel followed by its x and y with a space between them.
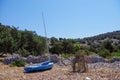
pixel 66 62
pixel 113 60
pixel 11 58
pixel 34 59
pixel 95 58
pixel 87 78
pixel 54 58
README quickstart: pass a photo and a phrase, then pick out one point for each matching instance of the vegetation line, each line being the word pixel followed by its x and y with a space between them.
pixel 24 42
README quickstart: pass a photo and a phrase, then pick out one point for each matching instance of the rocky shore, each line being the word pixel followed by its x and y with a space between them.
pixel 97 71
pixel 56 59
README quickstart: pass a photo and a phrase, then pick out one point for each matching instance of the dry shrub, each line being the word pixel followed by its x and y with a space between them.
pixel 79 62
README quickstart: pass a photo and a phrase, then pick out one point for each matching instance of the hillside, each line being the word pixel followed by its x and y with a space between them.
pixel 114 36
pixel 25 42
pixel 103 43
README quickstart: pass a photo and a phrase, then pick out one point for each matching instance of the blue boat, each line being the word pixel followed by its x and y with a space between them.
pixel 39 67
pixel 44 65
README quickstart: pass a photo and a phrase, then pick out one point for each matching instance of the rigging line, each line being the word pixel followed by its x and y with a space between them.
pixel 46 36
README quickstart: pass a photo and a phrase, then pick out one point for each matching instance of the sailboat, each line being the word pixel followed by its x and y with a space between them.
pixel 44 65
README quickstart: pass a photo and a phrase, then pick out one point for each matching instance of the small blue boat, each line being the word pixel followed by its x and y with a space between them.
pixel 39 67
pixel 44 65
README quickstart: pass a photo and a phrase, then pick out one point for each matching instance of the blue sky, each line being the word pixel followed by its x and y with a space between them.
pixel 63 18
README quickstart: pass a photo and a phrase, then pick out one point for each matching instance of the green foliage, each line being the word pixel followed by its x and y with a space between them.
pixel 57 48
pixel 68 46
pixel 104 53
pixel 23 52
pixel 77 47
pixel 67 55
pixel 63 46
pixel 108 45
pixel 53 40
pixel 116 54
pixel 24 42
pixel 90 53
pixel 27 43
pixel 18 63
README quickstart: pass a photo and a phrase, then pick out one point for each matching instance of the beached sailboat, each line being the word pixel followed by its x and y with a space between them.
pixel 44 65
pixel 39 67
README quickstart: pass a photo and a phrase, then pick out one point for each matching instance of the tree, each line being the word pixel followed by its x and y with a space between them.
pixel 77 47
pixel 24 42
pixel 104 53
pixel 53 40
pixel 6 41
pixel 68 46
pixel 57 48
pixel 108 45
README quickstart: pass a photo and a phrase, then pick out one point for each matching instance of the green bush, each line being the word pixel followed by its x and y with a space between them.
pixel 67 55
pixel 18 63
pixel 117 54
pixel 90 53
pixel 104 53
pixel 23 52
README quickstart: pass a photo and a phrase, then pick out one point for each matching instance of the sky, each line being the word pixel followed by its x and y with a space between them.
pixel 63 18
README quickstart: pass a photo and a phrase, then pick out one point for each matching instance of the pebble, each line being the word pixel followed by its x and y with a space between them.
pixel 87 78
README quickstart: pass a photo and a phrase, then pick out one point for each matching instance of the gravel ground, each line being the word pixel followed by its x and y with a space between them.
pixel 97 71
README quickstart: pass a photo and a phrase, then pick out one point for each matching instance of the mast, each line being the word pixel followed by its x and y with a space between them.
pixel 46 36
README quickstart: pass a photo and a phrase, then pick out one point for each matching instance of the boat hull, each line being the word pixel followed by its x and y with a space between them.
pixel 39 67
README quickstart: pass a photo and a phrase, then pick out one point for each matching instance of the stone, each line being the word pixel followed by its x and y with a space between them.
pixel 30 59
pixel 95 58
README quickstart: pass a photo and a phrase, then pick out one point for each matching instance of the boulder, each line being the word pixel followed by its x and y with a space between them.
pixel 95 58
pixel 30 59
